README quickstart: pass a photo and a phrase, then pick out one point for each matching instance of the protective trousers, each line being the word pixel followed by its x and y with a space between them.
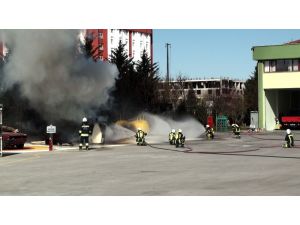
pixel 84 140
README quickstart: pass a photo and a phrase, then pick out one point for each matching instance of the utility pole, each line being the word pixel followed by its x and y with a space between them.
pixel 168 71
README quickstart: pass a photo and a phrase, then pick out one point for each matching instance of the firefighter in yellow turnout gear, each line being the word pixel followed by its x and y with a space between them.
pixel 210 134
pixel 180 138
pixel 84 133
pixel 289 139
pixel 236 130
pixel 140 137
pixel 172 138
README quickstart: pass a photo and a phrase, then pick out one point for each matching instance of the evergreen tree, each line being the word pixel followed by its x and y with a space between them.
pixel 126 82
pixel 251 95
pixel 87 48
pixel 191 101
pixel 148 81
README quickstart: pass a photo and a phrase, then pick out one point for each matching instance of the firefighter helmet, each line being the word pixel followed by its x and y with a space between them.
pixel 173 130
pixel 207 125
pixel 84 119
pixel 288 131
pixel 179 130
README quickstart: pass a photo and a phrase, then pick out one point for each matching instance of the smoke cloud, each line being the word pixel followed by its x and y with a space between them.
pixel 160 126
pixel 58 82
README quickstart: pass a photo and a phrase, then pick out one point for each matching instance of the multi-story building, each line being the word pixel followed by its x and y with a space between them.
pixel 205 88
pixel 135 40
pixel 3 51
pixel 278 83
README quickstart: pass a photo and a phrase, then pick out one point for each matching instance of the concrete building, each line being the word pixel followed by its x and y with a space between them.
pixel 136 40
pixel 3 51
pixel 278 81
pixel 206 87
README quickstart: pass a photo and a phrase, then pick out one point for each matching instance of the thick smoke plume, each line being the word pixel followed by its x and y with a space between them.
pixel 58 82
pixel 160 126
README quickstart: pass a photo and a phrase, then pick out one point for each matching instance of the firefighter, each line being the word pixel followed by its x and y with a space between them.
pixel 84 133
pixel 180 138
pixel 277 124
pixel 140 137
pixel 172 137
pixel 289 138
pixel 209 132
pixel 236 130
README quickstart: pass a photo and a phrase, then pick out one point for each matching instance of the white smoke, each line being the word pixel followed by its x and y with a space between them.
pixel 160 126
pixel 58 83
pixel 115 133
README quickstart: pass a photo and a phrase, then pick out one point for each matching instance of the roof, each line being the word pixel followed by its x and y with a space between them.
pixel 290 50
pixel 293 42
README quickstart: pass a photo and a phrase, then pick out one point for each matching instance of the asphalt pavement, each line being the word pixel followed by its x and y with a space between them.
pixel 256 164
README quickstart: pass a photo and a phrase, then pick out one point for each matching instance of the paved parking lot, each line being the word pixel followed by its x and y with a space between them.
pixel 252 165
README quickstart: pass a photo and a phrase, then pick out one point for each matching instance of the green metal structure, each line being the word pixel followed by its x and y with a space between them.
pixel 221 123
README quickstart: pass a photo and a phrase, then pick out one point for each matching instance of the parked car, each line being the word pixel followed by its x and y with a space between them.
pixel 12 138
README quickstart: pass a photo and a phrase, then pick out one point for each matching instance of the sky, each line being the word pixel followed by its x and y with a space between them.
pixel 199 53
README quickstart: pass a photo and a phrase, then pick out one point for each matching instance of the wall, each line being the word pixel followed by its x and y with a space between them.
pixel 276 52
pixel 271 109
pixel 281 80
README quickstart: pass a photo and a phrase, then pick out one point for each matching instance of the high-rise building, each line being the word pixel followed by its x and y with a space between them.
pixel 135 40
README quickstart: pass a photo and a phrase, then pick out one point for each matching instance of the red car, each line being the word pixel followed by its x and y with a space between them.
pixel 12 138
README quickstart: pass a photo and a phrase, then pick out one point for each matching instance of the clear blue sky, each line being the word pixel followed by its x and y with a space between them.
pixel 214 53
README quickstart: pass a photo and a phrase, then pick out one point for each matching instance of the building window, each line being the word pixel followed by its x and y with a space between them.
pixel 198 92
pixel 273 66
pixel 290 64
pixel 282 65
pixel 218 92
pixel 100 35
pixel 101 57
pixel 295 64
pixel 101 47
pixel 132 42
pixel 133 53
pixel 126 41
pixel 111 40
pixel 209 91
pixel 141 44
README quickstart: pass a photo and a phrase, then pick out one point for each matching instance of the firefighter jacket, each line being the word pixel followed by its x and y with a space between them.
pixel 289 138
pixel 140 134
pixel 85 130
pixel 236 129
pixel 178 135
pixel 171 135
pixel 209 130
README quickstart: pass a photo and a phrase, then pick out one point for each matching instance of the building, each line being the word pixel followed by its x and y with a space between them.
pixel 203 88
pixel 3 51
pixel 136 40
pixel 278 81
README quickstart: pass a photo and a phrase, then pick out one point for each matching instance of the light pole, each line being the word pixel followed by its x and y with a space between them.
pixel 168 71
